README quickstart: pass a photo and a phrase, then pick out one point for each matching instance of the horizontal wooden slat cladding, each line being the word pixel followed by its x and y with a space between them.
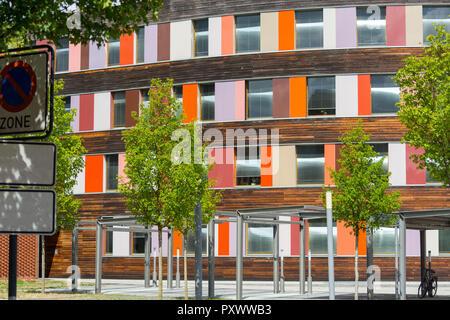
pixel 182 9
pixel 103 141
pixel 244 66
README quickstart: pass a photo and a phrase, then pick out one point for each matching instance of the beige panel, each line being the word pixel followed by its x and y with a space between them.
pixel 284 166
pixel 414 29
pixel 269 31
pixel 432 242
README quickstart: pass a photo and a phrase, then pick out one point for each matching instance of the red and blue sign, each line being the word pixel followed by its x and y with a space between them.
pixel 18 86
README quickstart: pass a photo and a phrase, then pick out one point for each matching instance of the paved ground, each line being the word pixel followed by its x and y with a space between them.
pixel 259 290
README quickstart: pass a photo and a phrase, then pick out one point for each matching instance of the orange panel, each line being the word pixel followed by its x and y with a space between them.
pixel 330 161
pixel 364 97
pixel 286 30
pixel 190 93
pixel 297 99
pixel 227 35
pixel 224 239
pixel 266 166
pixel 126 49
pixel 346 241
pixel 177 243
pixel 93 173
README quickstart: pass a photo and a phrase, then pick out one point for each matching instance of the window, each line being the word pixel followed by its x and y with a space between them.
pixel 318 238
pixel 119 109
pixel 140 44
pixel 309 29
pixel 114 52
pixel 259 239
pixel 321 96
pixel 67 104
pixel 310 164
pixel 248 166
pixel 444 241
pixel 138 244
pixel 62 55
pixel 190 246
pixel 144 95
pixel 112 170
pixel 207 98
pixel 178 94
pixel 259 99
pixel 201 38
pixel 382 149
pixel 371 24
pixel 384 94
pixel 436 15
pixel 108 242
pixel 248 31
pixel 384 241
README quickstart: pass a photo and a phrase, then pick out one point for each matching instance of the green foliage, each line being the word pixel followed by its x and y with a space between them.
pixel 47 19
pixel 360 197
pixel 425 105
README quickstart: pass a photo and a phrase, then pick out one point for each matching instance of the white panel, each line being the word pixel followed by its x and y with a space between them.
pixel 269 31
pixel 285 237
pixel 214 36
pixel 397 163
pixel 329 28
pixel 414 27
pixel 181 40
pixel 216 239
pixel 79 185
pixel 432 240
pixel 346 96
pixel 121 243
pixel 102 111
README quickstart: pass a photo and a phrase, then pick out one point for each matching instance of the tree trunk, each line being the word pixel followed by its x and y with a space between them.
pixel 370 268
pixel 160 292
pixel 43 263
pixel 356 267
pixel 185 266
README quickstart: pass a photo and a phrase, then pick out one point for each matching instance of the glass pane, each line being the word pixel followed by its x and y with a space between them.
pixel 248 33
pixel 371 26
pixel 248 166
pixel 144 94
pixel 384 94
pixel 138 243
pixel 259 238
pixel 207 101
pixel 309 27
pixel 437 15
pixel 191 241
pixel 140 42
pixel 259 97
pixel 109 242
pixel 310 164
pixel 62 55
pixel 444 241
pixel 112 170
pixel 384 241
pixel 318 238
pixel 382 149
pixel 321 96
pixel 201 37
pixel 178 93
pixel 114 52
pixel 119 109
pixel 67 104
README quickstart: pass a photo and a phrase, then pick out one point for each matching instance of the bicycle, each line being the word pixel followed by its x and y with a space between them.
pixel 429 282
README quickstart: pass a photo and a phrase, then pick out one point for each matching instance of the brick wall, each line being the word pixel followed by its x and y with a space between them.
pixel 27 257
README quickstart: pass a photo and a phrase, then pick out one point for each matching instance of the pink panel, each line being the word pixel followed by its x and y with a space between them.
pixel 121 167
pixel 223 171
pixel 413 175
pixel 412 242
pixel 395 26
pixel 74 57
pixel 240 100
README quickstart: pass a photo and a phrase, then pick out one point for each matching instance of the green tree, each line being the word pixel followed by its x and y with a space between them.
pixel 95 20
pixel 360 197
pixel 425 105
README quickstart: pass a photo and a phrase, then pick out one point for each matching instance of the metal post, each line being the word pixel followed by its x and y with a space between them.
pixel 98 258
pixel 75 273
pixel 211 253
pixel 155 282
pixel 12 271
pixel 402 258
pixel 309 272
pixel 170 258
pixel 239 242
pixel 302 256
pixel 423 249
pixel 369 261
pixel 282 288
pixel 198 251
pixel 276 271
pixel 178 269
pixel 147 250
pixel 329 205
pixel 396 240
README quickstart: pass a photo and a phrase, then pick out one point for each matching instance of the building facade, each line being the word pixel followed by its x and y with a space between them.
pixel 304 70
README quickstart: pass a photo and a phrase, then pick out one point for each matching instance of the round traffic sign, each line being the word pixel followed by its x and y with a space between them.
pixel 18 86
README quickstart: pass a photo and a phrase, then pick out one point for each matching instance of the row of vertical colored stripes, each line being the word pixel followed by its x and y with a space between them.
pixel 174 40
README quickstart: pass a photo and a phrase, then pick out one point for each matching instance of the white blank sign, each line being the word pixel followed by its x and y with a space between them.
pixel 27 211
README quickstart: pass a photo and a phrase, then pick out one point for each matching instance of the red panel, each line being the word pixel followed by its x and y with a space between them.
pixel 86 112
pixel 414 175
pixel 223 171
pixel 395 26
pixel 224 239
pixel 93 180
pixel 266 166
pixel 364 96
pixel 126 49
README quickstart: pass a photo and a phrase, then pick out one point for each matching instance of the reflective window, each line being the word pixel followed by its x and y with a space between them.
pixel 259 239
pixel 248 31
pixel 384 241
pixel 207 101
pixel 310 164
pixel 190 247
pixel 309 28
pixel 62 55
pixel 112 170
pixel 119 109
pixel 259 98
pixel 318 237
pixel 371 24
pixel 248 166
pixel 108 242
pixel 138 243
pixel 140 44
pixel 321 96
pixel 444 241
pixel 67 104
pixel 436 15
pixel 201 37
pixel 382 149
pixel 114 52
pixel 178 94
pixel 384 94
pixel 144 95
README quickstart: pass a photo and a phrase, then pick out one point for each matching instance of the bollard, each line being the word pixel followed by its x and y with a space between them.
pixel 309 273
pixel 282 273
pixel 178 269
